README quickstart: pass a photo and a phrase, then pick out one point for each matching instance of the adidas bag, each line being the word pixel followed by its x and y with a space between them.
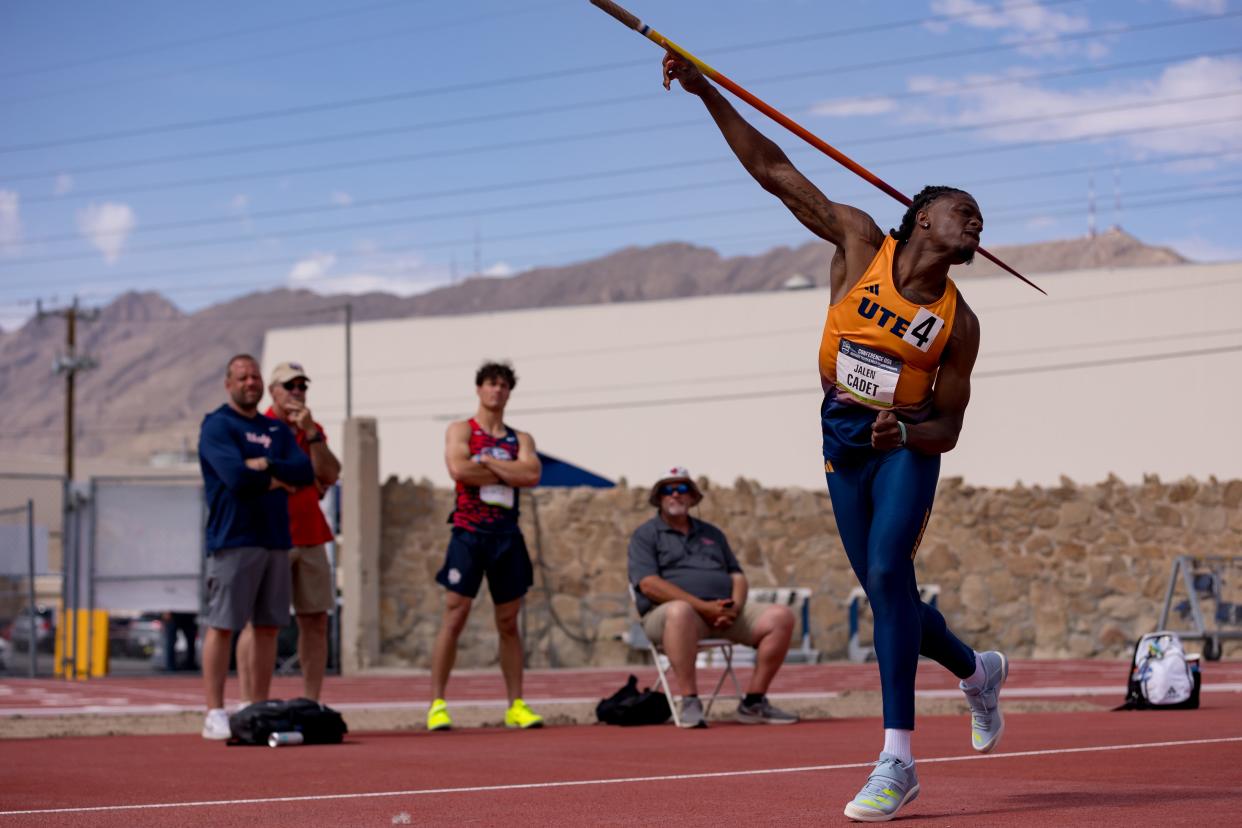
pixel 1162 676
pixel 318 723
pixel 628 706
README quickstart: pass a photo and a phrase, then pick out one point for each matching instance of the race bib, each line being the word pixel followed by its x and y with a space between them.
pixel 497 494
pixel 867 375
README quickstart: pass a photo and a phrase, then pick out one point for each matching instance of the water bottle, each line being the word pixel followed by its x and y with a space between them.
pixel 288 737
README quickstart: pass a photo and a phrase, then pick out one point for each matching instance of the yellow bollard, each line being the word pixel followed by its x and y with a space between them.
pixel 88 630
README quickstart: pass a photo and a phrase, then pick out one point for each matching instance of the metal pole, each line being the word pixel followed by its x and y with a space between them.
pixel 90 585
pixel 71 317
pixel 349 360
pixel 63 628
pixel 30 557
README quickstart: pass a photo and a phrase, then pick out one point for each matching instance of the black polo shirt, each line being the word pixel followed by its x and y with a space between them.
pixel 701 563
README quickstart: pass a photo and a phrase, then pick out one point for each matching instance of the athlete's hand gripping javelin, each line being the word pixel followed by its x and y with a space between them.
pixel 679 69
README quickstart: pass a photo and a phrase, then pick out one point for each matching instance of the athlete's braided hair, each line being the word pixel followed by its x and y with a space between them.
pixel 496 370
pixel 925 197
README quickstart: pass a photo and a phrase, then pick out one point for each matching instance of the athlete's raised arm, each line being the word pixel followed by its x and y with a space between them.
pixel 849 228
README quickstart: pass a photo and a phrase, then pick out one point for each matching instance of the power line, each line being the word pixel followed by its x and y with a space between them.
pixel 568 107
pixel 541 182
pixel 709 340
pixel 311 48
pixel 591 198
pixel 817 391
pixel 738 396
pixel 169 46
pixel 716 379
pixel 594 68
pixel 135 276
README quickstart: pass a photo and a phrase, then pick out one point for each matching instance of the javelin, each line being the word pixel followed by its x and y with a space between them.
pixel 775 114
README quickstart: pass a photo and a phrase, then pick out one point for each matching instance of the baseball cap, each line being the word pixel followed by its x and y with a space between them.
pixel 286 371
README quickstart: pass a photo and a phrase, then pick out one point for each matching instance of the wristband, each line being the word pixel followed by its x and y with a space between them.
pixel 902 426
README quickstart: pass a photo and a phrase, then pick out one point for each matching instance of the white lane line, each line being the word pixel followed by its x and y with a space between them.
pixel 628 780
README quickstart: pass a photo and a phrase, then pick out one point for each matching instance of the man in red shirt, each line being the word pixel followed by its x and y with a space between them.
pixel 314 593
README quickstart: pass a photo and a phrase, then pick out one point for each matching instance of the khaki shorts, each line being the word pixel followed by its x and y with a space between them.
pixel 741 631
pixel 313 590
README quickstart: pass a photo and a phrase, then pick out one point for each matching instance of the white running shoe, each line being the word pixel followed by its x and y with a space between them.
pixel 216 725
pixel 987 724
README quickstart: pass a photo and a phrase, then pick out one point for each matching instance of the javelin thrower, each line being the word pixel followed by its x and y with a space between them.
pixel 898 347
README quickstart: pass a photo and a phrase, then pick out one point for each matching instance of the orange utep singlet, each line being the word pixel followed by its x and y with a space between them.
pixel 879 349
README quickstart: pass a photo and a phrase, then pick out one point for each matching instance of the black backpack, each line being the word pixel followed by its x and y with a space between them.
pixel 318 723
pixel 628 707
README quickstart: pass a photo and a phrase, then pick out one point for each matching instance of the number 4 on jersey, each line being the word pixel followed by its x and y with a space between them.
pixel 923 330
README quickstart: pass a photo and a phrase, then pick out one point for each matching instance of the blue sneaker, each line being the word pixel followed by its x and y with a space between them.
pixel 891 785
pixel 986 722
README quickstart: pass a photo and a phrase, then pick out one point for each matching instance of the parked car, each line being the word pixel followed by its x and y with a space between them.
pixel 45 629
pixel 143 635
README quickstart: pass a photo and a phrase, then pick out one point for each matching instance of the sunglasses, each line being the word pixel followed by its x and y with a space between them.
pixel 294 385
pixel 674 488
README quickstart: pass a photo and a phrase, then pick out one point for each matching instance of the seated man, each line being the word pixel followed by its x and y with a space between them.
pixel 691 587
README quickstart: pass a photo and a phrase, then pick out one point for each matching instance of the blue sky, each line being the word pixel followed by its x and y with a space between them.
pixel 207 150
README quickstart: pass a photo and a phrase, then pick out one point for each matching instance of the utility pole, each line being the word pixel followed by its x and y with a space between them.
pixel 69 364
pixel 1091 206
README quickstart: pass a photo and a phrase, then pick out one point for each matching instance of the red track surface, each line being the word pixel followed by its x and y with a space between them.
pixel 1097 772
pixel 772 778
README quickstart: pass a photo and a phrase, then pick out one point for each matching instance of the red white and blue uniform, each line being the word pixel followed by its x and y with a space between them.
pixel 486 508
pixel 486 539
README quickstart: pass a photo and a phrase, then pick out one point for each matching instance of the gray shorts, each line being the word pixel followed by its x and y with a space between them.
pixel 248 584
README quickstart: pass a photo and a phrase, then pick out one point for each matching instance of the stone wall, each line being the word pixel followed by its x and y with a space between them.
pixel 1072 571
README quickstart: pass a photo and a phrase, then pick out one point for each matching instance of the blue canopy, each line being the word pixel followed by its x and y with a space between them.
pixel 557 472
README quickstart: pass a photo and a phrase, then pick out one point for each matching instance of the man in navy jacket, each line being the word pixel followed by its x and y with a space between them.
pixel 250 463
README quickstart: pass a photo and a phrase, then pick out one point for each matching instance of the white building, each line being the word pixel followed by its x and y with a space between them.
pixel 1122 372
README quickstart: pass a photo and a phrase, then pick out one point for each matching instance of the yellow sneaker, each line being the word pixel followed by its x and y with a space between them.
pixel 438 717
pixel 519 715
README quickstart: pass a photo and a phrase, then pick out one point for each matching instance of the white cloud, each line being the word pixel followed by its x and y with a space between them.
pixel 1042 222
pixel 1156 103
pixel 403 275
pixel 311 269
pixel 63 184
pixel 10 222
pixel 342 199
pixel 239 203
pixel 107 226
pixel 847 107
pixel 499 269
pixel 1204 6
pixel 1017 20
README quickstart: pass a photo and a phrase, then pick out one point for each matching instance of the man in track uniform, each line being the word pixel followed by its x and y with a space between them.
pixel 689 585
pixel 490 462
pixel 895 360
pixel 314 593
pixel 250 463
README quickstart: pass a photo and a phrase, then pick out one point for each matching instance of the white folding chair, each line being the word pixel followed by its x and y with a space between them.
pixel 639 640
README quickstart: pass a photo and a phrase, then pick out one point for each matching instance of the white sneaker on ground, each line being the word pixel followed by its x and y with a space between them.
pixel 216 725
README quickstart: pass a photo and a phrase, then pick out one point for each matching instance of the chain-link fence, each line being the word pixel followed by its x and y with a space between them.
pixel 26 627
